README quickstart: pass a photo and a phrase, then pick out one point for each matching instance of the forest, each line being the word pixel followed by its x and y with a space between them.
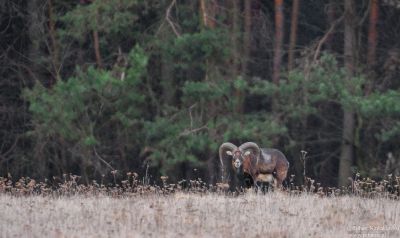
pixel 101 88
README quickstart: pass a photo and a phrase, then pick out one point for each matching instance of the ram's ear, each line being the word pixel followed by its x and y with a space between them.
pixel 247 153
pixel 228 152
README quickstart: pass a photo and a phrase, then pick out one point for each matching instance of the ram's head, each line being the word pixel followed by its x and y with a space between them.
pixel 239 155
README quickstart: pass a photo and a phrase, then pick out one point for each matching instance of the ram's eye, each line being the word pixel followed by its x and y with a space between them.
pixel 228 152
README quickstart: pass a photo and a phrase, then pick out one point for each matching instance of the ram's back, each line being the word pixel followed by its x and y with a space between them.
pixel 272 160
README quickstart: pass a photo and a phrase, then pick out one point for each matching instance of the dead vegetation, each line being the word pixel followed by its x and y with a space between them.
pixel 132 208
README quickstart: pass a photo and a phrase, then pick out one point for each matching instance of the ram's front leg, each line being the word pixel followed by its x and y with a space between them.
pixel 236 183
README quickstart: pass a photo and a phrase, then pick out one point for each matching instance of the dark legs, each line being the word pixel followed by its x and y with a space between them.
pixel 263 186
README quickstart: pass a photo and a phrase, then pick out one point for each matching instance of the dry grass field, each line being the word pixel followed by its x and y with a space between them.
pixel 198 215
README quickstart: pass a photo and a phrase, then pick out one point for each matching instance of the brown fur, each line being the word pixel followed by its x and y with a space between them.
pixel 260 164
pixel 278 166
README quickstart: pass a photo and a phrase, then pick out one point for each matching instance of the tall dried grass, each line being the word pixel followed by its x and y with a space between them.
pixel 199 215
pixel 133 208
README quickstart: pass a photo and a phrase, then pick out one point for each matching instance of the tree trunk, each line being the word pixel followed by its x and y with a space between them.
pixel 96 43
pixel 36 23
pixel 331 14
pixel 372 33
pixel 234 39
pixel 246 36
pixel 236 59
pixel 97 48
pixel 293 33
pixel 167 80
pixel 372 42
pixel 347 148
pixel 55 56
pixel 211 170
pixel 279 21
pixel 207 13
pixel 203 12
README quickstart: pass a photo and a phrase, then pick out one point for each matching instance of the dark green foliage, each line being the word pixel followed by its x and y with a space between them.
pixel 195 49
pixel 170 103
pixel 92 109
pixel 112 18
pixel 97 110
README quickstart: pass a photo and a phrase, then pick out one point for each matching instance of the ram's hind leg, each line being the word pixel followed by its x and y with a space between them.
pixel 279 178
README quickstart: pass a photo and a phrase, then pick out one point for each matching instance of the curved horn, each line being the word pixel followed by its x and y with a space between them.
pixel 250 146
pixel 227 146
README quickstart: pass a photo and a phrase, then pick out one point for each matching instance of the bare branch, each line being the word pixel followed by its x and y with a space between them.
pixel 325 37
pixel 191 116
pixel 11 149
pixel 167 17
pixel 188 132
pixel 102 160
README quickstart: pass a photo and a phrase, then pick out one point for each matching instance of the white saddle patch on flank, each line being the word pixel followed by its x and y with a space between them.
pixel 267 157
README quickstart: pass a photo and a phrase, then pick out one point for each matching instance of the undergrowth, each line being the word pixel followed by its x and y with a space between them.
pixel 132 185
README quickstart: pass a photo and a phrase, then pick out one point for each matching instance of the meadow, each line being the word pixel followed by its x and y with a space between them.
pixel 75 210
